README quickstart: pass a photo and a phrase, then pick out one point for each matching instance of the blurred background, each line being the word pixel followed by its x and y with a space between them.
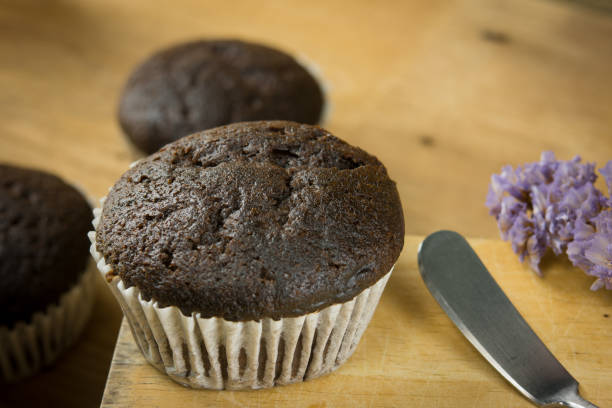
pixel 444 93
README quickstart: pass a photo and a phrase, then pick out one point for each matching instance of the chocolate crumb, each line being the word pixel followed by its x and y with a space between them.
pixel 497 37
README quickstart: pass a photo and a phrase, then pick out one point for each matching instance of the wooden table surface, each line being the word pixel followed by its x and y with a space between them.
pixel 443 92
pixel 412 355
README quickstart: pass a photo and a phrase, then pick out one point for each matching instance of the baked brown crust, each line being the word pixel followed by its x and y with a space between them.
pixel 251 220
pixel 204 84
pixel 43 241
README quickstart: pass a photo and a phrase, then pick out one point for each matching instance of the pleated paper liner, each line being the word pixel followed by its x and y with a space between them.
pixel 28 346
pixel 216 353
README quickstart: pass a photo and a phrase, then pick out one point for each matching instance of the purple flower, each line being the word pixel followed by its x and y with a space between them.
pixel 538 205
pixel 606 172
pixel 591 249
pixel 579 204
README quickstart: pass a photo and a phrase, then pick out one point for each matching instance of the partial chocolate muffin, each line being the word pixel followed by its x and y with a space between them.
pixel 257 229
pixel 203 84
pixel 43 259
pixel 43 241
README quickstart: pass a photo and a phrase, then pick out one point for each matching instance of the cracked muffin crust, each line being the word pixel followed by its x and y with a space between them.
pixel 43 241
pixel 200 85
pixel 250 220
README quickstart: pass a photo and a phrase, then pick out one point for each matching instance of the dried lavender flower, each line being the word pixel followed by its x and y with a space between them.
pixel 538 205
pixel 591 249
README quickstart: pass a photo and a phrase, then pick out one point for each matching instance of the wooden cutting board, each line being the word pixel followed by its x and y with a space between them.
pixel 411 354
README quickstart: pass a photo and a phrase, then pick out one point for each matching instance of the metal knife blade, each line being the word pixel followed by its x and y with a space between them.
pixel 467 292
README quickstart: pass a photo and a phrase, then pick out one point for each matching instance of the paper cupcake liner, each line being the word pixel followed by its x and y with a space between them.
pixel 216 353
pixel 28 346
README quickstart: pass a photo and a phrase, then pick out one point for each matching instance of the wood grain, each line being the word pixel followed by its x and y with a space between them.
pixel 443 92
pixel 412 354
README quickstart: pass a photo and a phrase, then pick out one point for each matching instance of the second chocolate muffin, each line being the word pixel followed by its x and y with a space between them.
pixel 203 84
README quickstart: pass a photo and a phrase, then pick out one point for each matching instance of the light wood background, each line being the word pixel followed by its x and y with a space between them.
pixel 443 92
pixel 412 355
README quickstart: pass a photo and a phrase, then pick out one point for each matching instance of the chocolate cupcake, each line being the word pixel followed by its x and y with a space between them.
pixel 250 255
pixel 46 289
pixel 204 84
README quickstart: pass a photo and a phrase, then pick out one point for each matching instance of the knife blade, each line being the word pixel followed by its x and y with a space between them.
pixel 467 292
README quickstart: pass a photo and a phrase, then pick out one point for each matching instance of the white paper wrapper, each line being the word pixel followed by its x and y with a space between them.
pixel 219 354
pixel 27 347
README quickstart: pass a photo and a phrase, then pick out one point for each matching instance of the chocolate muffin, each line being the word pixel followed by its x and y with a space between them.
pixel 279 230
pixel 203 84
pixel 43 259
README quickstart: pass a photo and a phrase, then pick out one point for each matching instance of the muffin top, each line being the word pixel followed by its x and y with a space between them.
pixel 200 85
pixel 251 220
pixel 43 241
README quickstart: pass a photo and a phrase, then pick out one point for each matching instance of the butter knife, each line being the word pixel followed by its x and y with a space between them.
pixel 467 292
